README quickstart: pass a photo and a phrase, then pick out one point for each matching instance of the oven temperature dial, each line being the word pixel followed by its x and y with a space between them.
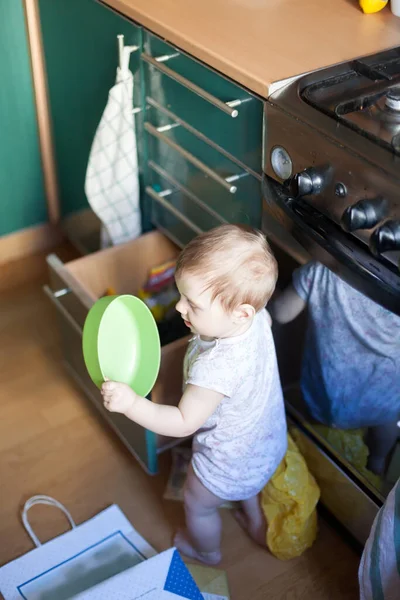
pixel 281 162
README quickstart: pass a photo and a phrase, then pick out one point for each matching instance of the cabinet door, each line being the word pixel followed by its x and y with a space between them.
pixel 23 202
pixel 80 45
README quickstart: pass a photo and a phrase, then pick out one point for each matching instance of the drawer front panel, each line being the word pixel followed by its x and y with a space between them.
pixel 230 192
pixel 191 209
pixel 133 436
pixel 241 136
pixel 176 228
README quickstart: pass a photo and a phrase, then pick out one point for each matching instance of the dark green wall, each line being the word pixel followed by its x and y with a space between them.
pixel 22 198
pixel 80 41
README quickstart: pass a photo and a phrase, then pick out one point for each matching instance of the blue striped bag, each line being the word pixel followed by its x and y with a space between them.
pixel 379 573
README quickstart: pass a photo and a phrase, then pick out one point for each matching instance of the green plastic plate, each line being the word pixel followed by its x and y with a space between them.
pixel 121 343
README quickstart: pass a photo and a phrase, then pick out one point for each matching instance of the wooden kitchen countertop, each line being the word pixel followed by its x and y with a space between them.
pixel 259 42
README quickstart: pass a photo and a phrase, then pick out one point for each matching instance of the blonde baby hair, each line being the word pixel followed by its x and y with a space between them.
pixel 236 263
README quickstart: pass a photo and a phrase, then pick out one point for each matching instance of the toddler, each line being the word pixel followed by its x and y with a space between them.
pixel 232 399
pixel 351 362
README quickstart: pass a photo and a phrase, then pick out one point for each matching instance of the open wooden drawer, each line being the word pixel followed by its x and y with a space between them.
pixel 75 286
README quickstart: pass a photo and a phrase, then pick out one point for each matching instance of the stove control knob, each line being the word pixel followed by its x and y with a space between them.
pixel 305 183
pixel 385 238
pixel 365 214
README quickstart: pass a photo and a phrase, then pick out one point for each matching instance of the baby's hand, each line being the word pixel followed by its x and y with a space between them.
pixel 117 397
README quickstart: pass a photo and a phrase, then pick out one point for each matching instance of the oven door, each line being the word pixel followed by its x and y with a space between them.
pixel 345 491
pixel 323 240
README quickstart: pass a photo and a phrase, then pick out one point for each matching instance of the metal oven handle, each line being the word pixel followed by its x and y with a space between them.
pixel 228 108
pixel 54 297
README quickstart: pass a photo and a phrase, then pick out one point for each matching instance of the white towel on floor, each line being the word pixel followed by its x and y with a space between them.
pixel 112 181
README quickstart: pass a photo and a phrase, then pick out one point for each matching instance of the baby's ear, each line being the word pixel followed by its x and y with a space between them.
pixel 243 312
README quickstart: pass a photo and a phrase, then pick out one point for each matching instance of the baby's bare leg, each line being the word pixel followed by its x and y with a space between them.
pixel 251 518
pixel 202 538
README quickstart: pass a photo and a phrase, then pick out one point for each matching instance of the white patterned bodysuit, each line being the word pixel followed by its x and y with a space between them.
pixel 241 445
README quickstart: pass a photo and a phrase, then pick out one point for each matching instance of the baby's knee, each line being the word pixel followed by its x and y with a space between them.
pixel 194 502
pixel 191 499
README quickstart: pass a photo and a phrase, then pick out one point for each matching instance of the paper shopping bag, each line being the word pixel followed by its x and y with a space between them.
pixel 163 577
pixel 76 561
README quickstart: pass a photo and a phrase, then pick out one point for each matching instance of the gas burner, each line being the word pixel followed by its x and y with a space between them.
pixel 373 110
pixel 364 95
pixel 376 117
pixel 392 100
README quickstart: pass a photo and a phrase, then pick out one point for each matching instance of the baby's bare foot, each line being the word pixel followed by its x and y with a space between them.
pixel 257 531
pixel 182 543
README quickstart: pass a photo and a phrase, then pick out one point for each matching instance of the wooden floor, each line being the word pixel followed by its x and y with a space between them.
pixel 51 442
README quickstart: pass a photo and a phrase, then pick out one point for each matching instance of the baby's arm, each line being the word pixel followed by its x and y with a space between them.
pixel 195 407
pixel 287 306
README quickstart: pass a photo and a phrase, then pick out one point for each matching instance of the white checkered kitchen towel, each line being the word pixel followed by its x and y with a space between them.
pixel 112 182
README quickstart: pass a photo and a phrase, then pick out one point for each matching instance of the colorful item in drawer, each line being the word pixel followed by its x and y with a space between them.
pixel 372 6
pixel 121 342
pixel 109 292
pixel 160 293
pixel 289 503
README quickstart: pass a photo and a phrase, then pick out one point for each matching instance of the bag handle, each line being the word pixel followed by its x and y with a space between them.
pixel 47 500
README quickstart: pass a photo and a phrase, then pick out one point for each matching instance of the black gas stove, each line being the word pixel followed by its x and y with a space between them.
pixel 366 98
pixel 332 167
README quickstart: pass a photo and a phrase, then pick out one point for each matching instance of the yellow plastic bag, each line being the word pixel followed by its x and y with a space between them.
pixel 288 501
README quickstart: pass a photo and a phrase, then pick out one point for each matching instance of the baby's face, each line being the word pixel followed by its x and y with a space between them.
pixel 200 313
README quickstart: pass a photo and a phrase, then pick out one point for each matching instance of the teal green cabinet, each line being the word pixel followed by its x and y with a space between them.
pixel 80 45
pixel 22 195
